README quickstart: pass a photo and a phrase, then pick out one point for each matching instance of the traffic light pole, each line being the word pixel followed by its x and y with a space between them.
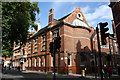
pixel 54 67
pixel 53 49
pixel 99 50
pixel 59 61
pixel 54 58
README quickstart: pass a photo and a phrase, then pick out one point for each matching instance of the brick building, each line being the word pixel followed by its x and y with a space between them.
pixel 78 46
pixel 115 6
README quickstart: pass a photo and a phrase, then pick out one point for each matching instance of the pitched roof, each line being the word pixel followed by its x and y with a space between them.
pixel 64 17
pixel 40 31
pixel 55 22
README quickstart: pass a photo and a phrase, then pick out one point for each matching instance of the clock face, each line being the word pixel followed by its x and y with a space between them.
pixel 79 16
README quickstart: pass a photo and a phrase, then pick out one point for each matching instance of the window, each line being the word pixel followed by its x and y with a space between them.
pixel 97 60
pixel 51 61
pixel 78 22
pixel 39 60
pixel 79 16
pixel 111 47
pixel 83 59
pixel 35 62
pixel 43 42
pixel 17 44
pixel 29 48
pixel 55 33
pixel 36 44
pixel 29 63
pixel 44 62
pixel 41 63
pixel 69 59
pixel 105 46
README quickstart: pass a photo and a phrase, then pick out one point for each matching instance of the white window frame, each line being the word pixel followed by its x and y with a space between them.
pixel 39 60
pixel 44 62
pixel 35 62
pixel 44 39
pixel 51 61
pixel 36 44
pixel 29 62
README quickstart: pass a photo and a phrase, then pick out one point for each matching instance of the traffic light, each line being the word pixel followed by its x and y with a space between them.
pixel 103 30
pixel 57 42
pixel 51 47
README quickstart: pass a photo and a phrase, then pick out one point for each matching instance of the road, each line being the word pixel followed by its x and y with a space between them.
pixel 34 75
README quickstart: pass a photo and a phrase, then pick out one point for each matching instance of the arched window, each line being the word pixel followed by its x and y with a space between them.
pixel 78 22
pixel 35 62
pixel 29 62
pixel 44 62
pixel 39 62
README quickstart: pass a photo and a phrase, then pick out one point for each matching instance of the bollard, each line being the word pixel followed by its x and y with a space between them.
pixel 83 72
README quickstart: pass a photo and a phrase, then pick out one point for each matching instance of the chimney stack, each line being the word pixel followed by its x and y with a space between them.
pixel 51 16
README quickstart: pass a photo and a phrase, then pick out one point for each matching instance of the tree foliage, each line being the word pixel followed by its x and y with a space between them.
pixel 16 19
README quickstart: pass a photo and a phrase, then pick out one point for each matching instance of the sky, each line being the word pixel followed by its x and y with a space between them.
pixel 94 12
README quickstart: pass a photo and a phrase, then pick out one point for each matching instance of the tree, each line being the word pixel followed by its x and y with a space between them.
pixel 17 17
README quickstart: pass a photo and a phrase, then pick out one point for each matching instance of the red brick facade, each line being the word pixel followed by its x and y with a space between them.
pixel 115 6
pixel 78 44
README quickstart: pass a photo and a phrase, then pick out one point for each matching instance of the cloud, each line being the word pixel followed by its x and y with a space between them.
pixel 103 12
pixel 85 9
pixel 66 8
pixel 92 22
pixel 93 15
pixel 57 6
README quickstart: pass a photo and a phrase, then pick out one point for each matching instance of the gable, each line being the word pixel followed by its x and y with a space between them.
pixel 76 18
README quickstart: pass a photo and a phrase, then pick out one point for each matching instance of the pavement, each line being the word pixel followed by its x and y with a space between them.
pixel 37 75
